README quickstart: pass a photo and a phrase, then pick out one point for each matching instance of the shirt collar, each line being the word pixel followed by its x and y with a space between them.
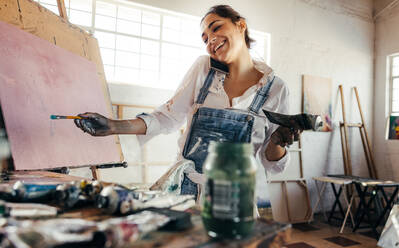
pixel 268 74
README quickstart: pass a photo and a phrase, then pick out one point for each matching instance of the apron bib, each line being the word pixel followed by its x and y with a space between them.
pixel 222 125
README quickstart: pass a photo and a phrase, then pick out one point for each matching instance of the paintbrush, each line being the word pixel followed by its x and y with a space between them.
pixel 300 121
pixel 59 117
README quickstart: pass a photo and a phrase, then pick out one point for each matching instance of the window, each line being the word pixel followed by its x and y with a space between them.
pixel 50 5
pixel 394 84
pixel 143 45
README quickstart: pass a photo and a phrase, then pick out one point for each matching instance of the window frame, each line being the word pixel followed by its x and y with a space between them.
pixel 162 13
pixel 391 78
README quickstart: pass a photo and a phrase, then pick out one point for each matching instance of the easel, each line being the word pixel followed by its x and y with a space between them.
pixel 301 181
pixel 345 144
pixel 363 134
pixel 33 18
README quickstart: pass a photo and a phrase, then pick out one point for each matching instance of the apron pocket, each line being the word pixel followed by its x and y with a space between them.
pixel 200 139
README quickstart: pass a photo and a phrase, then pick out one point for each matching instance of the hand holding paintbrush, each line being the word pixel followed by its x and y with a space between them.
pixel 92 123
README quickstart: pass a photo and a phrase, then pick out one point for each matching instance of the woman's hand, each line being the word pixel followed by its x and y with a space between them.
pixel 94 124
pixel 280 138
pixel 284 136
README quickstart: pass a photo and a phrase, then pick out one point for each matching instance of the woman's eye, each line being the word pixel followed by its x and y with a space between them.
pixel 216 29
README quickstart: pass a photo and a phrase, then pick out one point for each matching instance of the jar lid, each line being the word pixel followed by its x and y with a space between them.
pixel 230 147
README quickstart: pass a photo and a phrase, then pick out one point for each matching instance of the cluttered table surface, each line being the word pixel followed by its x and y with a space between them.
pixel 87 226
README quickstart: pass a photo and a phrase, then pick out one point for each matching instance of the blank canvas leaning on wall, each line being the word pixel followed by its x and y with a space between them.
pixel 38 79
pixel 317 98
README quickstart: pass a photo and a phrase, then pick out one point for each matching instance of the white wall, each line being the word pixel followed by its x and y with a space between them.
pixel 332 38
pixel 328 38
pixel 386 43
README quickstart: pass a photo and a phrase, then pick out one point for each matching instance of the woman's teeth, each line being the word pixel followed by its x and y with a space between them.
pixel 221 44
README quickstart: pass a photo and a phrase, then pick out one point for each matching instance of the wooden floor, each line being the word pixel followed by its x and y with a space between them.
pixel 321 234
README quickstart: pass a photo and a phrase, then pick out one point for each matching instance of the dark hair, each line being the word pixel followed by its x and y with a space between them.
pixel 228 12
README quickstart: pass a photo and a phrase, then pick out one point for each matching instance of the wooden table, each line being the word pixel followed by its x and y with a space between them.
pixel 37 177
pixel 342 182
pixel 266 233
pixel 376 191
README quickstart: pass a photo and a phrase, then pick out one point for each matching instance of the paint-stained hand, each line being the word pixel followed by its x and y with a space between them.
pixel 284 136
pixel 94 124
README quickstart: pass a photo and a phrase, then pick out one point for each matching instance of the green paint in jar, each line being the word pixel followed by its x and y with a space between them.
pixel 228 209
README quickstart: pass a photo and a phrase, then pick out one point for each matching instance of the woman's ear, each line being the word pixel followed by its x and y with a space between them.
pixel 242 25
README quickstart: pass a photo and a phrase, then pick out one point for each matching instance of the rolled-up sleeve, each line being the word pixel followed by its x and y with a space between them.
pixel 279 103
pixel 170 116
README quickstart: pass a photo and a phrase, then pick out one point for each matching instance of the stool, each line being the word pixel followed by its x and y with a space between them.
pixel 342 182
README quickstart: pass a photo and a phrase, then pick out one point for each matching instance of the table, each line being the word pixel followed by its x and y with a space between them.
pixel 342 182
pixel 266 233
pixel 373 188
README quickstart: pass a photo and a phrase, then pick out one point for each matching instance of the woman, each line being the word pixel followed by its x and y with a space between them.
pixel 220 97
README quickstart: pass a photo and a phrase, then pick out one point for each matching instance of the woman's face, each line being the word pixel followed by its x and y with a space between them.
pixel 224 39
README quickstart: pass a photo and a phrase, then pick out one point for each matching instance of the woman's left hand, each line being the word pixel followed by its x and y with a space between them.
pixel 284 136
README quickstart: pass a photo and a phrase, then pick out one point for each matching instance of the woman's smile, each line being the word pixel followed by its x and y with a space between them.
pixel 220 45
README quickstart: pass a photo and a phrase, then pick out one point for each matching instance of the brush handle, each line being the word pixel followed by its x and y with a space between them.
pixel 58 117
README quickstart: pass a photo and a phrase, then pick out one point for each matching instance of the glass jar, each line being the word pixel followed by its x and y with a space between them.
pixel 229 195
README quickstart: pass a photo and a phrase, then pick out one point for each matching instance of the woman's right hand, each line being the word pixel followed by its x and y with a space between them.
pixel 94 124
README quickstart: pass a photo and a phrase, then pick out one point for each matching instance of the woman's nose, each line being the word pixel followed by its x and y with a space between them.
pixel 212 40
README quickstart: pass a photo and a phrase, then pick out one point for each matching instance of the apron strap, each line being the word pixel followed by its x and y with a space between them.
pixel 214 67
pixel 205 88
pixel 260 98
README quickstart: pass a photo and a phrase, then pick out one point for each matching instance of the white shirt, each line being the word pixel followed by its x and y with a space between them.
pixel 181 107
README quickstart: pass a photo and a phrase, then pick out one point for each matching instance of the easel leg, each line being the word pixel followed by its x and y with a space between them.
pixel 95 173
pixel 284 185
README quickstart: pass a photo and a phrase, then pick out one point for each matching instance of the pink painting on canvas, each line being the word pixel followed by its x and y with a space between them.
pixel 317 92
pixel 38 79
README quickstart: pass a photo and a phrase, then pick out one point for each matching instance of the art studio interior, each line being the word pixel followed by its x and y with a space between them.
pixel 171 123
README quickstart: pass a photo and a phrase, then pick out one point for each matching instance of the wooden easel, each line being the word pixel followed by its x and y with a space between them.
pixel 301 181
pixel 33 18
pixel 363 134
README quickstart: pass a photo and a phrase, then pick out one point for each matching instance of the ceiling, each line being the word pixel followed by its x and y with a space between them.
pixel 380 5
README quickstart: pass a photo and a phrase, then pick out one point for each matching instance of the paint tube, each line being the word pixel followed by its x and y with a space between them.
pixel 116 200
pixel 184 205
pixel 115 232
pixel 50 233
pixel 67 195
pixel 298 122
pixel 5 192
pixel 124 231
pixel 30 210
pixel 146 195
pixel 32 192
pixel 167 201
pixel 4 209
pixel 91 188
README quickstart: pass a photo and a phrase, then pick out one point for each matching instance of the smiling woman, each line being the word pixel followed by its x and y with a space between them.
pixel 227 12
pixel 219 99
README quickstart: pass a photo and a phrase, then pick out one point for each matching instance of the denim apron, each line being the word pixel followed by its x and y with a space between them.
pixel 223 125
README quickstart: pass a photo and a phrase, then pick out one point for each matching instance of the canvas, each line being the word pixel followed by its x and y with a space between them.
pixel 38 79
pixel 317 99
pixel 393 127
